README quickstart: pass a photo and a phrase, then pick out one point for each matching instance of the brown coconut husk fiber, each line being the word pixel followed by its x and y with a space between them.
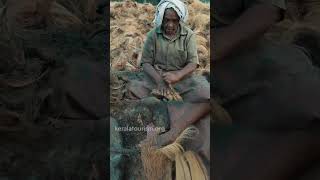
pixel 130 21
pixel 158 163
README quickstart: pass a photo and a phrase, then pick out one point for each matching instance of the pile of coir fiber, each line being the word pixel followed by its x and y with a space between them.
pixel 130 22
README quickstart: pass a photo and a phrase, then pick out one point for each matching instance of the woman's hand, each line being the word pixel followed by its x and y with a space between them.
pixel 172 77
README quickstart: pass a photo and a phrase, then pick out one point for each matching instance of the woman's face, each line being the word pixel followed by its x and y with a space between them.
pixel 170 22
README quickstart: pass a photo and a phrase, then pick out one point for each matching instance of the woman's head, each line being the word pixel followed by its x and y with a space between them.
pixel 170 22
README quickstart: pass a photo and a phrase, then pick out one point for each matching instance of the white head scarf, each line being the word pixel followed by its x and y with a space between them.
pixel 177 5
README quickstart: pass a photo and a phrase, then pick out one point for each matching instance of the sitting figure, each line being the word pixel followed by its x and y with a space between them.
pixel 169 59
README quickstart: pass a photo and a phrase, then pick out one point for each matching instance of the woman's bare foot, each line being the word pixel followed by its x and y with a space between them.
pixel 167 138
pixel 159 140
